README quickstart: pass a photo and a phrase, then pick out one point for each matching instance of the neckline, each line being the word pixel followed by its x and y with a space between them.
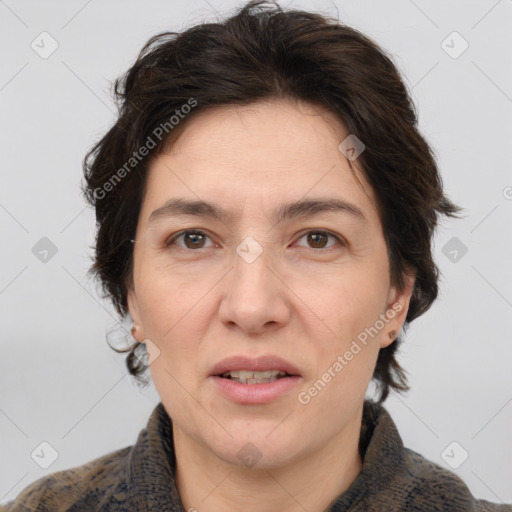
pixel 152 464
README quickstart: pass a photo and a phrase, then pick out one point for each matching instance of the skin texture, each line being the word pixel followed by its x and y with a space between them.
pixel 301 299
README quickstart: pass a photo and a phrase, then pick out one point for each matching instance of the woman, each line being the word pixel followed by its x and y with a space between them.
pixel 265 206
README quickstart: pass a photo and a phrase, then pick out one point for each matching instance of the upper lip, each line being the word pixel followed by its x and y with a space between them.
pixel 257 364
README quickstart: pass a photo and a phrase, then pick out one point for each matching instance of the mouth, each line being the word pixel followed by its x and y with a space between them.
pixel 249 380
pixel 266 368
pixel 254 377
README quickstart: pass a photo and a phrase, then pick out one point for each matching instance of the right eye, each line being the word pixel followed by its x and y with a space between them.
pixel 192 238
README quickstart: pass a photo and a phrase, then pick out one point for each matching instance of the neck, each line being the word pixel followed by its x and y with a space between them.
pixel 209 484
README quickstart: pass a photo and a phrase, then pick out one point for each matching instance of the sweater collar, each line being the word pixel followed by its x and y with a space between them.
pixel 152 463
pixel 381 449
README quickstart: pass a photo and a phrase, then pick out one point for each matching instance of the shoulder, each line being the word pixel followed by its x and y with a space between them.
pixel 395 477
pixel 428 484
pixel 99 483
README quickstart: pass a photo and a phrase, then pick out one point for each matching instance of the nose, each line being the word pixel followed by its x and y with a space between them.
pixel 255 299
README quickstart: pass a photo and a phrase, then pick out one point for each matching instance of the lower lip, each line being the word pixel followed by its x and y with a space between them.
pixel 255 393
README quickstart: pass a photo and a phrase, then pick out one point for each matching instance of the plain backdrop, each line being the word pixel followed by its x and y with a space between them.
pixel 61 383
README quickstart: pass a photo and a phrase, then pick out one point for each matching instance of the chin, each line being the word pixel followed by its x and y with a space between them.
pixel 256 449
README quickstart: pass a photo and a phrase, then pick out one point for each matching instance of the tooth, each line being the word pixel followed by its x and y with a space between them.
pixel 256 381
pixel 245 375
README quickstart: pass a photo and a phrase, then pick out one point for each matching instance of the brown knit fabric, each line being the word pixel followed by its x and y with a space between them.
pixel 140 478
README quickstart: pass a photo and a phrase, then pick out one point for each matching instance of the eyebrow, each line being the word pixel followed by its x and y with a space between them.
pixel 290 210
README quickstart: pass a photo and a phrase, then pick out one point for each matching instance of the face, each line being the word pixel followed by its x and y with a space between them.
pixel 300 283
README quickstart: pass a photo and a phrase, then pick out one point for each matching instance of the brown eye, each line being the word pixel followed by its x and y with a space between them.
pixel 320 239
pixel 193 239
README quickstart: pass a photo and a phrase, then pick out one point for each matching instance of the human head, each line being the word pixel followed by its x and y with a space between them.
pixel 261 53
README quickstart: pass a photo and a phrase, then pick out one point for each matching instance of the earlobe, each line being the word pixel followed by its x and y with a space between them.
pixel 134 332
pixel 388 337
pixel 135 316
pixel 399 299
pixel 397 309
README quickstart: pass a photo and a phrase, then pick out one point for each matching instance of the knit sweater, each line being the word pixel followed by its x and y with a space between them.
pixel 140 478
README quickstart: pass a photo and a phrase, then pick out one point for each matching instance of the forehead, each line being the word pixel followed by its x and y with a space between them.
pixel 258 154
pixel 268 134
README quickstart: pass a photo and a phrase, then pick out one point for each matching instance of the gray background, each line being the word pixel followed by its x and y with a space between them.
pixel 61 383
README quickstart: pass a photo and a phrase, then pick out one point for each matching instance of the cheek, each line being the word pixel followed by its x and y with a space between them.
pixel 169 303
pixel 347 358
pixel 350 307
pixel 175 315
pixel 348 300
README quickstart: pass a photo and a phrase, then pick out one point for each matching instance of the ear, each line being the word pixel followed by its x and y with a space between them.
pixel 133 308
pixel 396 310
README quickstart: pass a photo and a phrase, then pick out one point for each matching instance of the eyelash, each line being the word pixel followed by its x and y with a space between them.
pixel 174 237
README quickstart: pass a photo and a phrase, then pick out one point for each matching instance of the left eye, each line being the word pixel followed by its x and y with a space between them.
pixel 319 238
pixel 194 239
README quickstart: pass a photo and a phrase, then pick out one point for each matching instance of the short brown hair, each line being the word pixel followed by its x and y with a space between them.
pixel 264 52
